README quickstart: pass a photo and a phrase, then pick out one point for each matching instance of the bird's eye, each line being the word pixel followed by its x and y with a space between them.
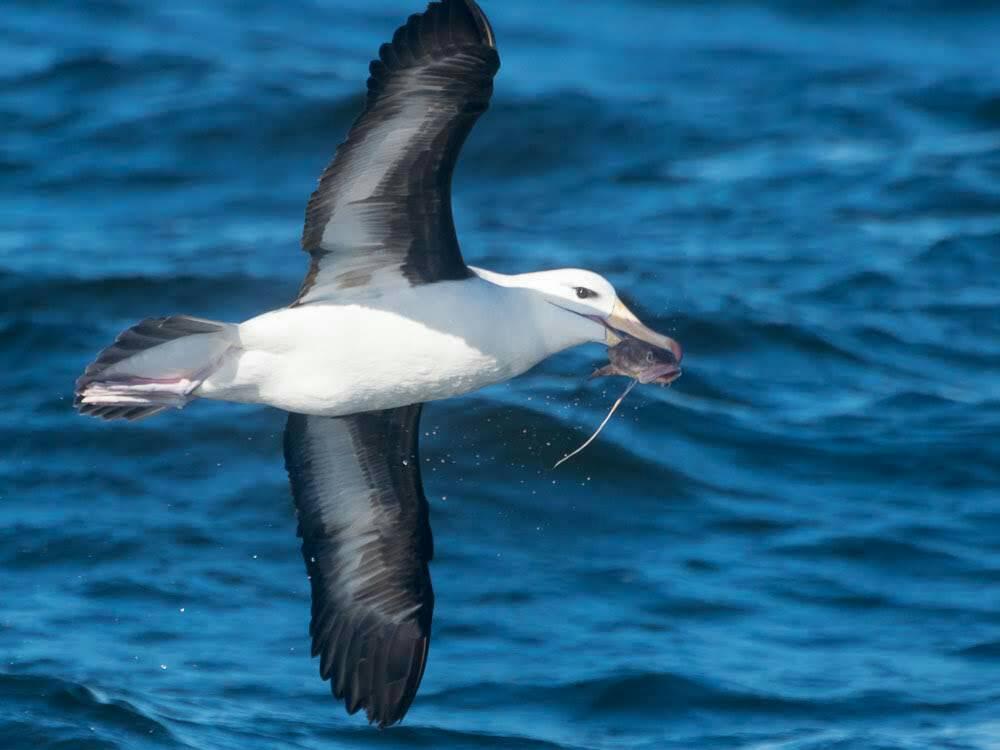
pixel 584 293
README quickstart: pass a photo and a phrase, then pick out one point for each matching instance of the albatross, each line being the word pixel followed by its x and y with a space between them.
pixel 389 317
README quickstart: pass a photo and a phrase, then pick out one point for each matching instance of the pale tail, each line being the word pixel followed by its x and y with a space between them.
pixel 153 366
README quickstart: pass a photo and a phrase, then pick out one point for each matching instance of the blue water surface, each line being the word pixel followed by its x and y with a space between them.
pixel 796 547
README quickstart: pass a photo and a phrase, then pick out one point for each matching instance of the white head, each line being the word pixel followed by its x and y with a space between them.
pixel 574 290
pixel 588 299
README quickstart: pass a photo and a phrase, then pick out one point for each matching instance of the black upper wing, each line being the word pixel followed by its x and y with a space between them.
pixel 381 217
pixel 366 540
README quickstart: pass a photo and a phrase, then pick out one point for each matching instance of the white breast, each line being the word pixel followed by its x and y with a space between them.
pixel 420 344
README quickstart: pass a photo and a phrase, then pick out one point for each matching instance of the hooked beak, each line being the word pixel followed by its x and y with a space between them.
pixel 623 321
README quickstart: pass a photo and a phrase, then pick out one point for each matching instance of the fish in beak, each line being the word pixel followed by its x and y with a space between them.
pixel 622 325
pixel 637 352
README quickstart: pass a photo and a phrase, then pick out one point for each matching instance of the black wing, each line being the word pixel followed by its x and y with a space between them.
pixel 366 540
pixel 381 217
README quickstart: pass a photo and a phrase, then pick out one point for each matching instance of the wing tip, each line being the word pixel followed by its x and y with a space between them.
pixel 483 24
pixel 444 27
pixel 384 701
pixel 480 25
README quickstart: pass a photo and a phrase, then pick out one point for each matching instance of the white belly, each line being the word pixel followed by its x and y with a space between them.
pixel 427 343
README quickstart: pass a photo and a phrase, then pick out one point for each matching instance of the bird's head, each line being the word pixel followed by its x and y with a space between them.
pixel 590 296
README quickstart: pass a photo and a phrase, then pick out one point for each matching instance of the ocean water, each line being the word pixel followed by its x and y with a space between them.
pixel 795 547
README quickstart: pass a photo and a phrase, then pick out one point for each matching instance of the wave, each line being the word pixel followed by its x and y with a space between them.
pixel 730 334
pixel 986 651
pixel 964 253
pixel 445 738
pixel 90 71
pixel 655 696
pixel 77 714
pixel 24 547
pixel 965 100
pixel 878 552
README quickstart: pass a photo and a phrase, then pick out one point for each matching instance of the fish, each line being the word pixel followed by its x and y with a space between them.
pixel 641 361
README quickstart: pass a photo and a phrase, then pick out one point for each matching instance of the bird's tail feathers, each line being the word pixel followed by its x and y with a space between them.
pixel 154 365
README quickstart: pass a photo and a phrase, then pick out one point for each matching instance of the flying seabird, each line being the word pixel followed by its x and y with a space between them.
pixel 389 317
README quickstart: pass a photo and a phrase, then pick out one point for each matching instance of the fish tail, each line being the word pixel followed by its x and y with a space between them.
pixel 603 372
